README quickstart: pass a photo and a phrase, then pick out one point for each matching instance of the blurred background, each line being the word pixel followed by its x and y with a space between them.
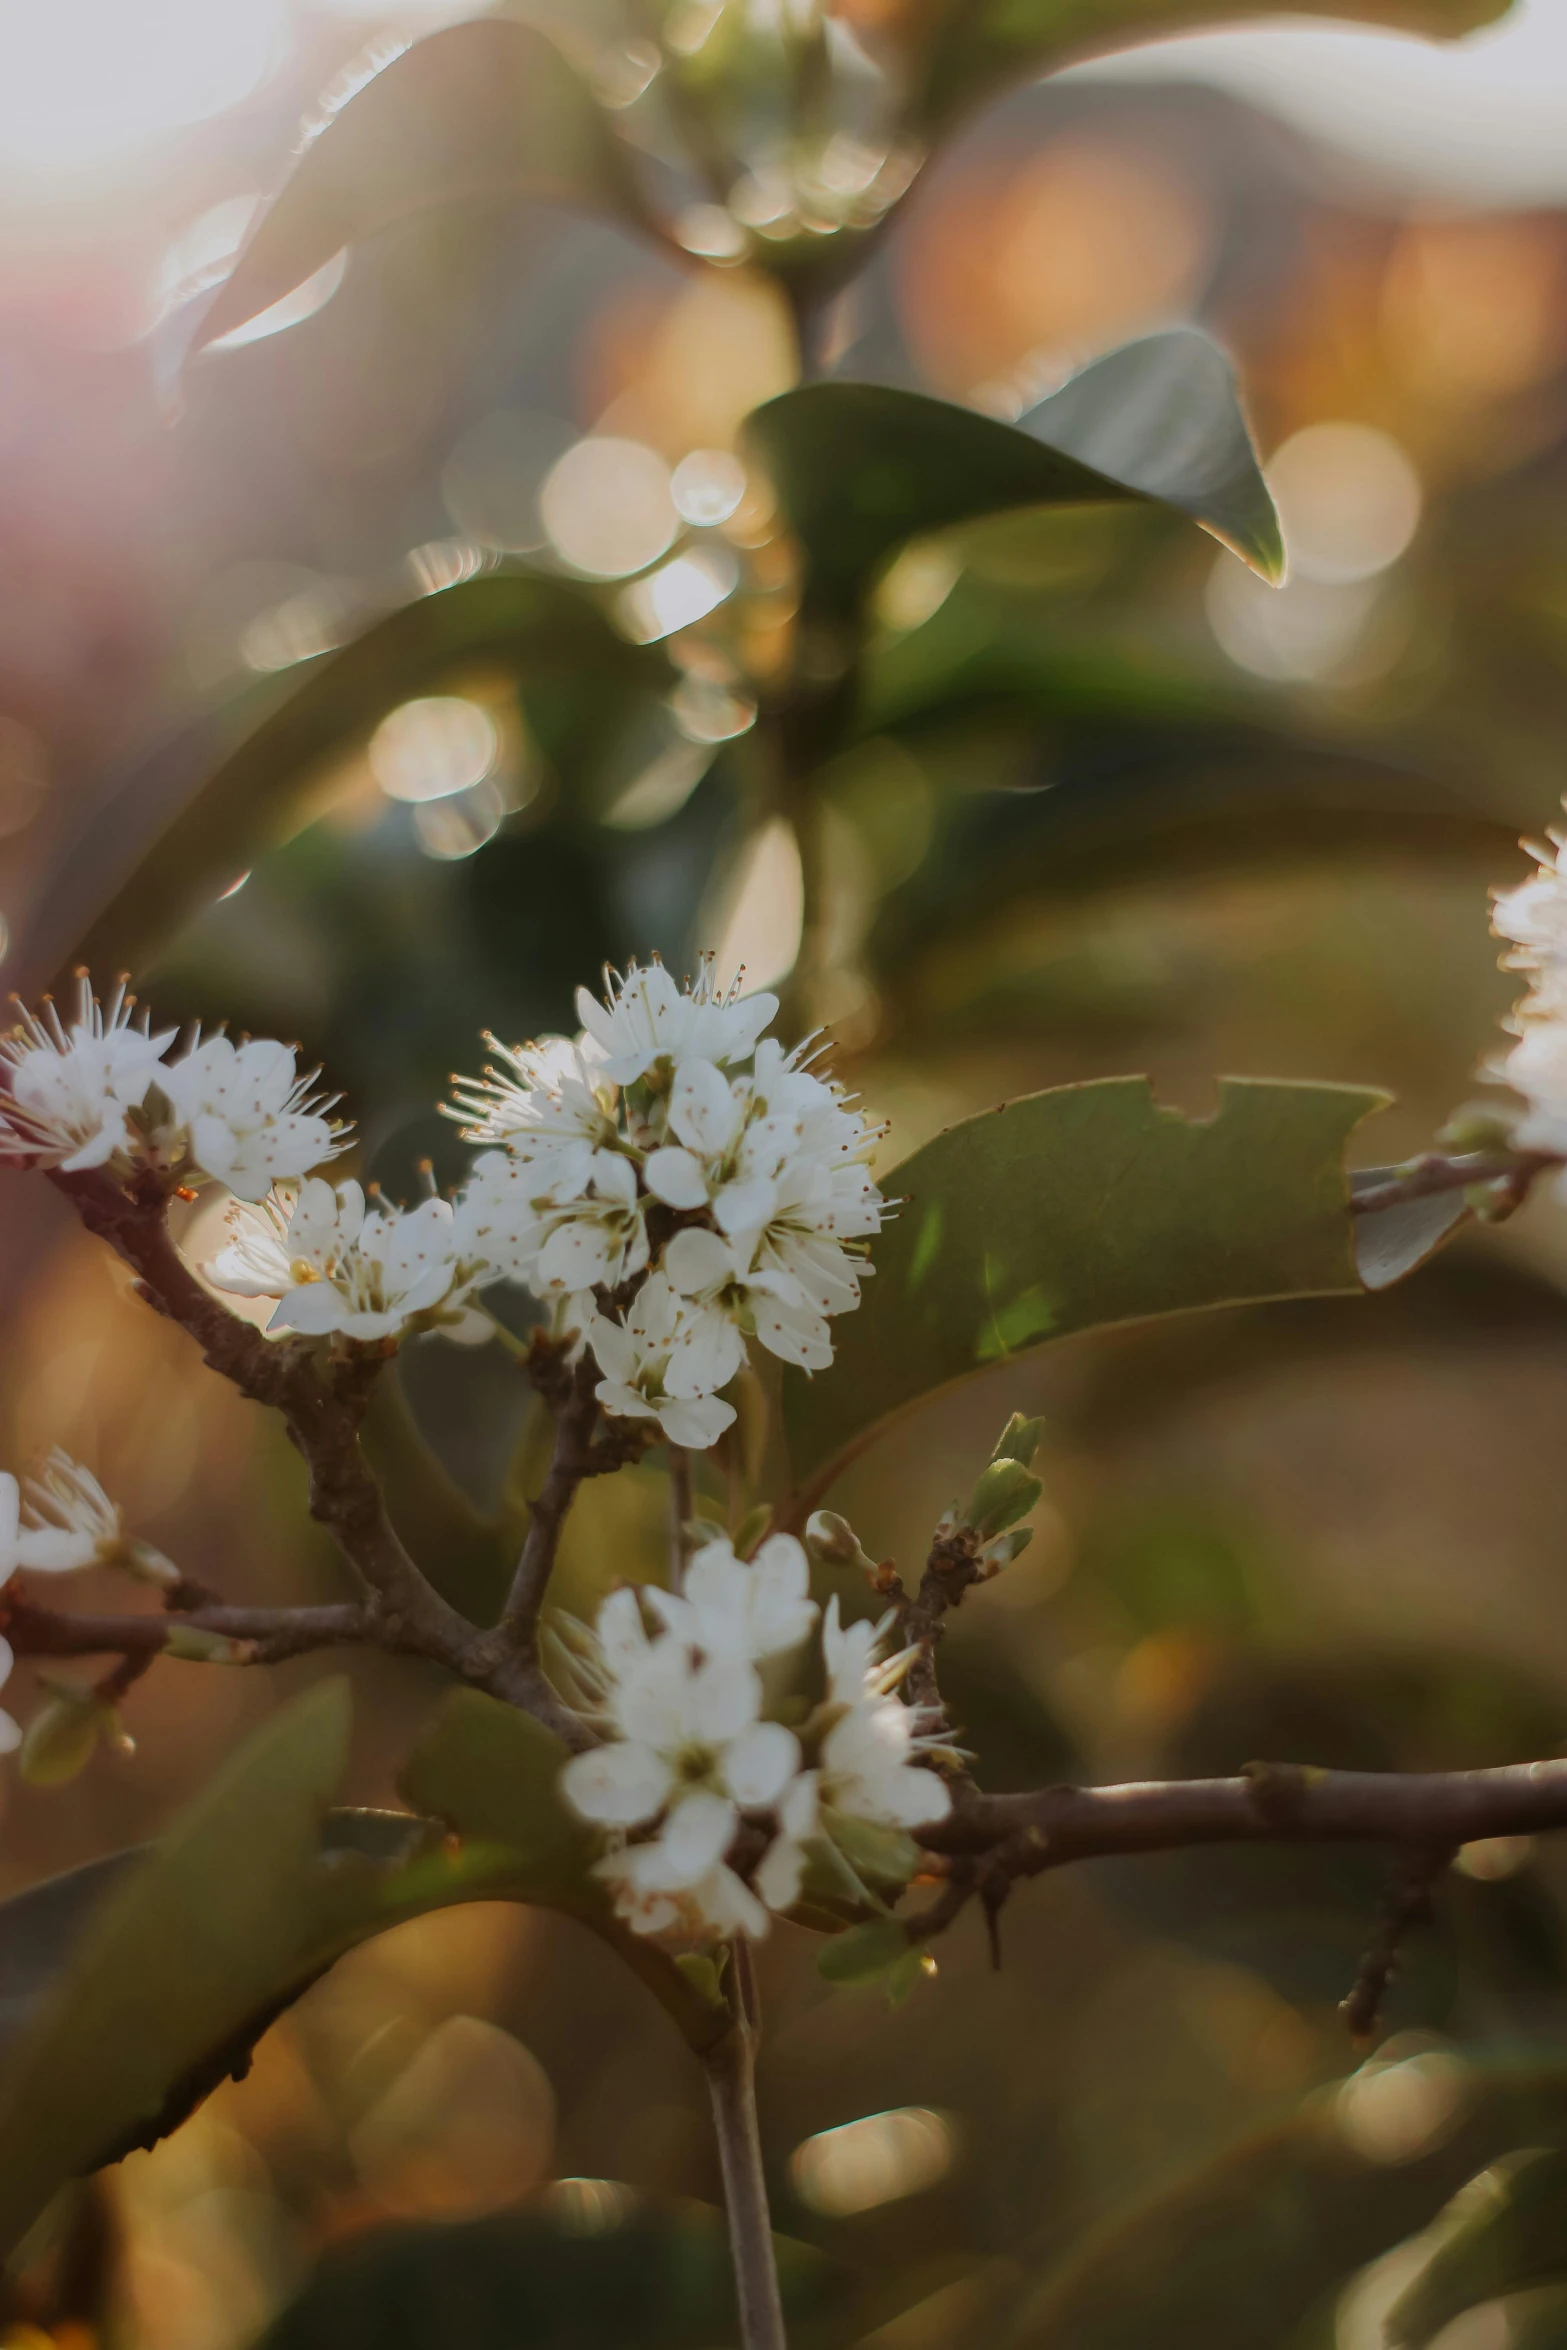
pixel 1165 818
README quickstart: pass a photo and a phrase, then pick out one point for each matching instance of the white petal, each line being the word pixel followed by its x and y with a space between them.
pixel 746 1207
pixel 700 1831
pixel 55 1550
pixel 676 1178
pixel 696 1261
pixel 696 1423
pixel 315 1309
pixel 760 1763
pixel 620 1785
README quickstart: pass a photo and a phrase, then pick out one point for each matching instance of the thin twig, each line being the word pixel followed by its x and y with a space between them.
pixel 1407 1903
pixel 1432 1173
pixel 273 1633
pixel 679 1513
pixel 731 2080
pixel 571 1460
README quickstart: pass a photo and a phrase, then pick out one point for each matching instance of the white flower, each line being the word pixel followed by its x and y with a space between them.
pixel 723 1157
pixel 554 1113
pixel 714 1907
pixel 250 1118
pixel 866 1768
pixel 646 1018
pixel 1536 1067
pixel 62 1521
pixel 781 1869
pixel 644 1378
pixel 68 1091
pixel 691 1754
pixel 339 1268
pixel 746 1608
pixel 597 1241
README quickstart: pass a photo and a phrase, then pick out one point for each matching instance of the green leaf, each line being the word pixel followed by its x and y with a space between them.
pixel 201 812
pixel 977 48
pixel 860 468
pixel 184 1952
pixel 639 2278
pixel 468 1557
pixel 1507 2232
pixel 1067 1210
pixel 493 1774
pixel 865 1953
pixel 485 109
pixel 130 1989
pixel 1240 2253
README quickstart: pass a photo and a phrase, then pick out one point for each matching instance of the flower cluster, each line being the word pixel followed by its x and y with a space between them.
pixel 672 1184
pixel 342 1266
pixel 102 1091
pixel 1533 919
pixel 58 1523
pixel 714 1807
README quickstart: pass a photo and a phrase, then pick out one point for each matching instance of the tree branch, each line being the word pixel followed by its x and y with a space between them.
pixel 272 1632
pixel 1270 1803
pixel 401 1609
pixel 1424 1177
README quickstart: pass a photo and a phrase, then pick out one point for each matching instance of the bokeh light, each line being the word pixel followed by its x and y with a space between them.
pixel 1394 2111
pixel 607 507
pixel 461 822
pixel 306 299
pixel 679 593
pixel 763 912
pixel 1305 632
pixel 440 744
pixel 492 480
pixel 873 2161
pixel 707 486
pixel 466 2127
pixel 1349 499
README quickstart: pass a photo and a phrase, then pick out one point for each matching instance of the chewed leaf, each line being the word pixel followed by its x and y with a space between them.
pixel 1068 1210
pixel 489 108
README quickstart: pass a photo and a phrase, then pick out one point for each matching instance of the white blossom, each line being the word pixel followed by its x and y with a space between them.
pixel 1533 918
pixel 647 1018
pixel 68 1092
pixel 248 1116
pixel 340 1267
pixel 555 1112
pixel 866 1767
pixel 746 1608
pixel 691 1752
pixel 645 1375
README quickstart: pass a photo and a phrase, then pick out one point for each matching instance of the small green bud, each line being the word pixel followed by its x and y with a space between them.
pixel 62 1736
pixel 699 1532
pixel 148 1565
pixel 1479 1126
pixel 752 1528
pixel 1019 1440
pixel 1005 1549
pixel 207 1648
pixel 832 1542
pixel 1006 1492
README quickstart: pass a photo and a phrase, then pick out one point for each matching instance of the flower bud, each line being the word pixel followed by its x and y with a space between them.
pixel 1005 1549
pixel 148 1565
pixel 751 1529
pixel 1006 1492
pixel 1479 1126
pixel 1019 1440
pixel 207 1648
pixel 832 1542
pixel 62 1736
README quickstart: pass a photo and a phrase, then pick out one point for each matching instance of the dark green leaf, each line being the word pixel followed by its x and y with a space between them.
pixel 128 1991
pixel 197 815
pixel 865 1953
pixel 1507 2233
pixel 184 1951
pixel 469 1558
pixel 644 2279
pixel 1067 1210
pixel 860 468
pixel 492 1773
pixel 487 109
pixel 977 48
pixel 1236 2256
